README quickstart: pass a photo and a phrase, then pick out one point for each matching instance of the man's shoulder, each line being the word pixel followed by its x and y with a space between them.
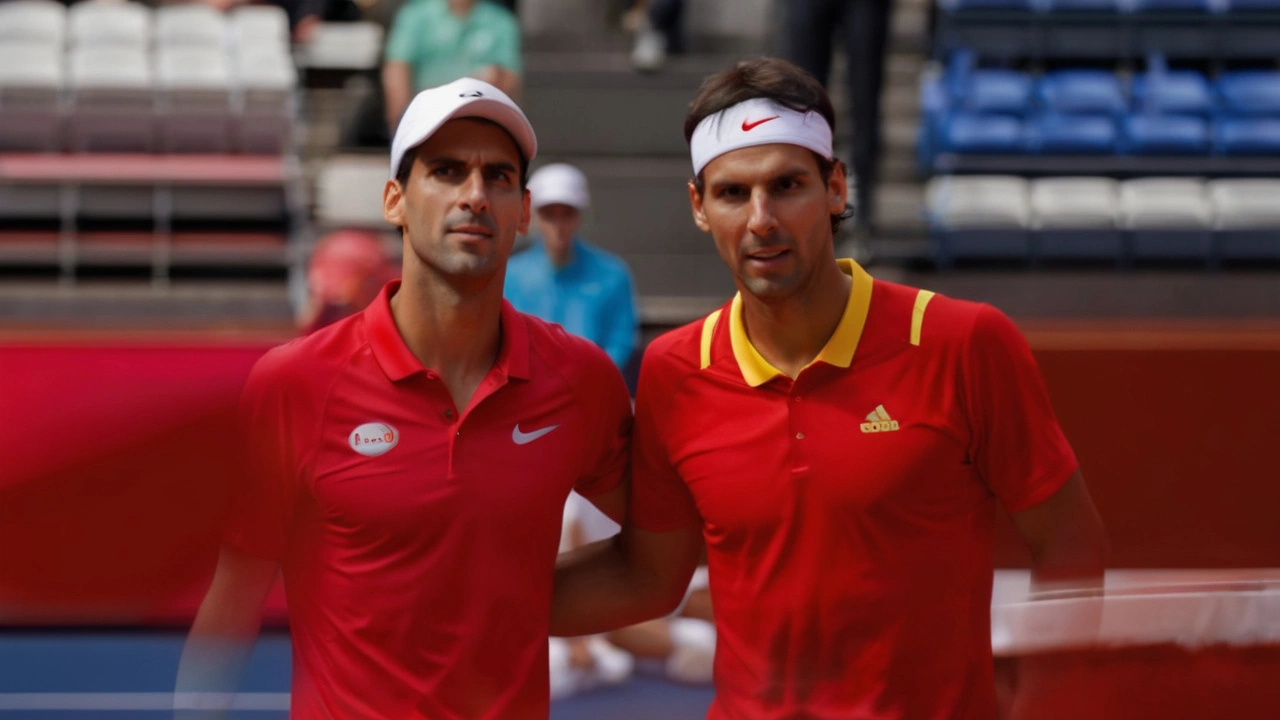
pixel 565 353
pixel 678 352
pixel 304 364
pixel 924 317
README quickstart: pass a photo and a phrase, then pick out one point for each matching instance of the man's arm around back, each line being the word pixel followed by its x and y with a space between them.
pixel 223 635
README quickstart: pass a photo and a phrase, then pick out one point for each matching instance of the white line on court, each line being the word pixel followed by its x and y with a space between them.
pixel 143 701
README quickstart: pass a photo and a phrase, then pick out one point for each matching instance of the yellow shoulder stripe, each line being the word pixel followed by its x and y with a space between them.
pixel 917 314
pixel 708 330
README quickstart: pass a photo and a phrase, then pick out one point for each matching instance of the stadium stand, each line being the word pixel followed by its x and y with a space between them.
pixel 147 140
pixel 1102 219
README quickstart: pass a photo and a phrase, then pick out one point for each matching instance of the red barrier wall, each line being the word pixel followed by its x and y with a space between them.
pixel 115 456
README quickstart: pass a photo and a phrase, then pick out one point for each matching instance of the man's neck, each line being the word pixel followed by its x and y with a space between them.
pixel 455 333
pixel 460 9
pixel 790 333
pixel 559 257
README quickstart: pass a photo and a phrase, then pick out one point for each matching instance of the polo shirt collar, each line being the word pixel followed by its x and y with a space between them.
pixel 838 351
pixel 398 362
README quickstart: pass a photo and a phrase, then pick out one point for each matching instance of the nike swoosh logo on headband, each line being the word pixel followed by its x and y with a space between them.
pixel 749 126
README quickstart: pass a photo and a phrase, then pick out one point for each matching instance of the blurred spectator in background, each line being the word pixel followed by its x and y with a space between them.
pixel 348 268
pixel 434 42
pixel 563 279
pixel 659 29
pixel 806 38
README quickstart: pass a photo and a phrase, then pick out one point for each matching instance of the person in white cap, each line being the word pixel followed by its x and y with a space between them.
pixel 407 467
pixel 564 279
pixel 840 444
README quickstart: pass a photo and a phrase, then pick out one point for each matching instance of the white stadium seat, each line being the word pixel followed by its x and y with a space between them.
pixel 1075 202
pixel 267 81
pixel 1246 215
pixel 31 80
pixel 103 22
pixel 1077 218
pixel 195 100
pixel 980 217
pixel 979 201
pixel 263 27
pixel 349 192
pixel 1164 203
pixel 113 101
pixel 1168 218
pixel 190 24
pixel 42 22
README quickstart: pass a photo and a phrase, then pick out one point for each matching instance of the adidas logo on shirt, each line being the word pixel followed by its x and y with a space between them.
pixel 878 421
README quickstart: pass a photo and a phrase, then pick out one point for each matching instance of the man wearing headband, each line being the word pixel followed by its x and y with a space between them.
pixel 840 444
pixel 407 467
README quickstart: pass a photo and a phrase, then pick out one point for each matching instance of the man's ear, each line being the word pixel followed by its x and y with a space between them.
pixel 837 189
pixel 525 215
pixel 699 215
pixel 393 203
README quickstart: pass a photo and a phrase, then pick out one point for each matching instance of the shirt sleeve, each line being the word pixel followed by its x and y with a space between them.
pixel 1017 445
pixel 264 495
pixel 660 501
pixel 620 339
pixel 403 42
pixel 604 387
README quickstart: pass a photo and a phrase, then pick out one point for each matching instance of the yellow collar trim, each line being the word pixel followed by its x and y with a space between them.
pixel 838 351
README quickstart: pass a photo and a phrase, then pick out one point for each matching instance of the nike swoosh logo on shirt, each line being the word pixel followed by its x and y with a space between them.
pixel 524 438
pixel 748 126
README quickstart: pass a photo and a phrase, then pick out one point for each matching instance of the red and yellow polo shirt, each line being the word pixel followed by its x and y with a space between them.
pixel 848 513
pixel 417 539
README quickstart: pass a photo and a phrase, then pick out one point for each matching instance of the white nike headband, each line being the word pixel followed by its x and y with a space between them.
pixel 758 121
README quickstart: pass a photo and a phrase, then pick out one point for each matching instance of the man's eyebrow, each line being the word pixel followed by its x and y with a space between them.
pixel 447 161
pixel 501 165
pixel 791 172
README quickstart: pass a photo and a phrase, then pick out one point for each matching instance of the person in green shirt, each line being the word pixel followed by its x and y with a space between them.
pixel 434 42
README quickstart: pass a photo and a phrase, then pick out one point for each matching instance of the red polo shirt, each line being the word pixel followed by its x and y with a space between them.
pixel 417 539
pixel 848 513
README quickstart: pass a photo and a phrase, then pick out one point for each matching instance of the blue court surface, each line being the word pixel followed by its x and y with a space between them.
pixel 57 675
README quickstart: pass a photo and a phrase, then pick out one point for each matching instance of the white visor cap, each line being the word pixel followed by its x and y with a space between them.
pixel 758 121
pixel 463 98
pixel 559 184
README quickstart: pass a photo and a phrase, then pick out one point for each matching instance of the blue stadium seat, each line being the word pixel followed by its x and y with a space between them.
pixel 1166 135
pixel 933 110
pixel 962 5
pixel 1052 134
pixel 1253 5
pixel 973 134
pixel 1180 93
pixel 996 91
pixel 1055 6
pixel 1247 136
pixel 1250 93
pixel 1169 5
pixel 1081 92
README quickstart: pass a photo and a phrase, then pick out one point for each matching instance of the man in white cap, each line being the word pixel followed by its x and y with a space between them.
pixel 407 467
pixel 839 442
pixel 564 279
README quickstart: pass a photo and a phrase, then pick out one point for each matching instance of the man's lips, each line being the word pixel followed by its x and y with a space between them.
pixel 766 255
pixel 479 230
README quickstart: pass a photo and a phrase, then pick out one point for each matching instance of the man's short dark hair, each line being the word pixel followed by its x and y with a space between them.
pixel 406 162
pixel 777 80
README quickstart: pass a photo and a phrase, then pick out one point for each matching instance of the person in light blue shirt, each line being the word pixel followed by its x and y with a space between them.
pixel 564 279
